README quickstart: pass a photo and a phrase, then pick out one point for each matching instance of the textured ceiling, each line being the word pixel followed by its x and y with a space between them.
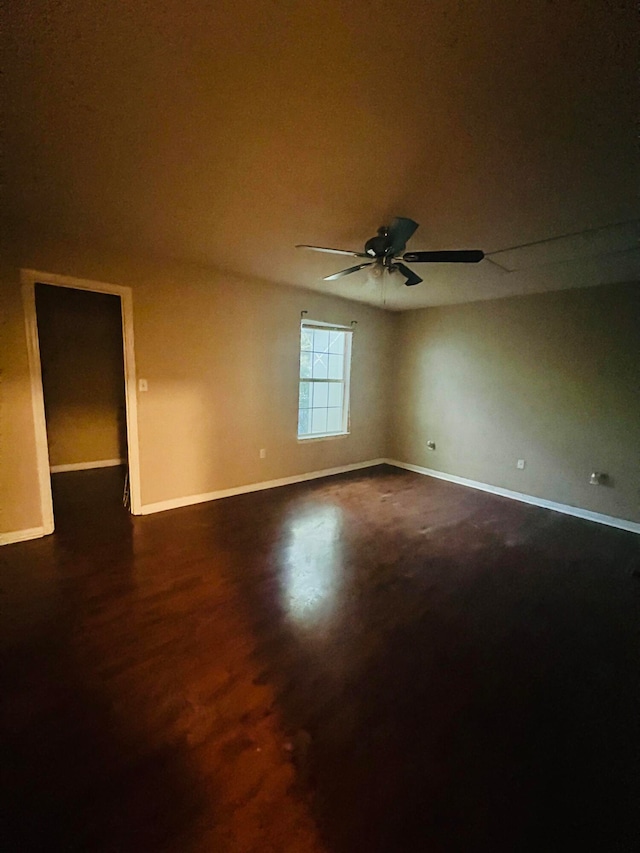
pixel 225 133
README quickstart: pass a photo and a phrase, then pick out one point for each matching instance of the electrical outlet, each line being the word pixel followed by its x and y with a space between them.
pixel 520 464
pixel 263 453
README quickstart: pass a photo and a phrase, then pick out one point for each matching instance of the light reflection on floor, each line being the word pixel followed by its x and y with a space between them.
pixel 313 563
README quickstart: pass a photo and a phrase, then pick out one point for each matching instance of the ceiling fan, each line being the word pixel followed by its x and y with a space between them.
pixel 384 252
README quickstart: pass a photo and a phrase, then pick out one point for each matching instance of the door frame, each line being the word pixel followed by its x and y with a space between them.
pixel 29 278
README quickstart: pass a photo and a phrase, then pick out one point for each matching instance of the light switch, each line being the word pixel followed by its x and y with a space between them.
pixel 142 385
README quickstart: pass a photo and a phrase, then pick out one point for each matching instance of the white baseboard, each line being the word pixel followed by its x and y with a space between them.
pixel 161 506
pixel 578 512
pixel 85 466
pixel 175 503
pixel 22 535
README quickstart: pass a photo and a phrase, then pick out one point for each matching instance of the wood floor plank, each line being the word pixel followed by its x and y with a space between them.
pixel 373 662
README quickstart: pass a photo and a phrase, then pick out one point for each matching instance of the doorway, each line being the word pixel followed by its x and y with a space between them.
pixel 82 362
pixel 81 359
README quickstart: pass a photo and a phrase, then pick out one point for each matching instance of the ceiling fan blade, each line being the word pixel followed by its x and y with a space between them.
pixel 334 251
pixel 347 272
pixel 411 277
pixel 464 256
pixel 400 231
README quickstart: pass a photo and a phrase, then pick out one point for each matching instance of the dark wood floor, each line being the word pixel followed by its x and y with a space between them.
pixel 372 662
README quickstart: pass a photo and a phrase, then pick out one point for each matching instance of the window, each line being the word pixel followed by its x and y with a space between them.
pixel 325 361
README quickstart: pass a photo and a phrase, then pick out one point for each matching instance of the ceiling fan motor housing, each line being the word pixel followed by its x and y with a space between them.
pixel 377 246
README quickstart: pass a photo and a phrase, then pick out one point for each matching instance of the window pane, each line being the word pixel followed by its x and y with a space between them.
pixel 305 365
pixel 335 394
pixel 335 366
pixel 320 366
pixel 336 342
pixel 320 395
pixel 323 401
pixel 320 341
pixel 334 420
pixel 304 419
pixel 318 421
pixel 305 395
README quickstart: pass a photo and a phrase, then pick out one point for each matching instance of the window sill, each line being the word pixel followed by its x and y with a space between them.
pixel 322 437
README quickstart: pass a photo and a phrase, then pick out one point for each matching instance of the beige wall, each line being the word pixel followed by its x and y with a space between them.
pixel 80 335
pixel 553 379
pixel 19 494
pixel 220 355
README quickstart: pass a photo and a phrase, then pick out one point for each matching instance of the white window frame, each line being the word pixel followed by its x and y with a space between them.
pixel 345 381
